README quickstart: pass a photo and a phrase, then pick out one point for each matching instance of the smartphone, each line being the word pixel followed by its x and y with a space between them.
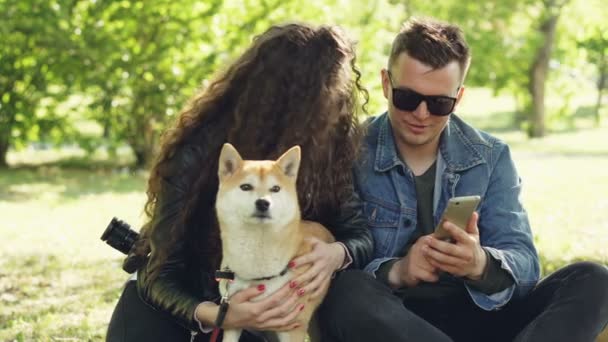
pixel 458 211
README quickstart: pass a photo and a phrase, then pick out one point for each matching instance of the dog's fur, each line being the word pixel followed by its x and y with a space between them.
pixel 260 243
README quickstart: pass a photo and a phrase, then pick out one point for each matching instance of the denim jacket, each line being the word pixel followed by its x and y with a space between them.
pixel 469 162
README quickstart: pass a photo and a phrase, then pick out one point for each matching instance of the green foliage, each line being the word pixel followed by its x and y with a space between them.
pixel 114 73
pixel 35 72
pixel 141 62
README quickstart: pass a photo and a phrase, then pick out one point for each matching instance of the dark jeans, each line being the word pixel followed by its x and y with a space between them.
pixel 569 305
pixel 134 321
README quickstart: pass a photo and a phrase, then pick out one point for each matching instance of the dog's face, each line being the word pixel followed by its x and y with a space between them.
pixel 257 193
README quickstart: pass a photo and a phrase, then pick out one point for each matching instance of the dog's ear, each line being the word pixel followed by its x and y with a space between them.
pixel 289 162
pixel 230 161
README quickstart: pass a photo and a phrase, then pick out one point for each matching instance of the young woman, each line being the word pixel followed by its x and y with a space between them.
pixel 295 84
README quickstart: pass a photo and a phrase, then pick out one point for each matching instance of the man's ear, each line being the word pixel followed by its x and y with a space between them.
pixel 459 95
pixel 230 161
pixel 289 162
pixel 386 83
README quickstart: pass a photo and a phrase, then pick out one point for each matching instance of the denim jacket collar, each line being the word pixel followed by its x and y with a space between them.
pixel 455 148
pixel 386 150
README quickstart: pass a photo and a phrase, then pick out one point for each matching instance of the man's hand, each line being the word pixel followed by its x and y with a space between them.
pixel 414 267
pixel 464 257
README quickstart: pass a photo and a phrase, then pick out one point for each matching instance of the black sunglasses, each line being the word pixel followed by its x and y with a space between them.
pixel 409 100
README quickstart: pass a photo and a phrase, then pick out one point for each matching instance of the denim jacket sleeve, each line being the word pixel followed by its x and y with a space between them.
pixel 505 231
pixel 375 264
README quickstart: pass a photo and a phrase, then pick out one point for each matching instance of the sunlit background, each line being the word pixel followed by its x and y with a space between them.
pixel 86 87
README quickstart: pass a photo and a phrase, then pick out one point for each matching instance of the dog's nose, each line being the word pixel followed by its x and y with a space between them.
pixel 262 204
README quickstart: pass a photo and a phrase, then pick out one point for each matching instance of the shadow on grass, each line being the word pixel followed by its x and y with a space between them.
pixel 506 121
pixel 496 122
pixel 67 181
pixel 585 112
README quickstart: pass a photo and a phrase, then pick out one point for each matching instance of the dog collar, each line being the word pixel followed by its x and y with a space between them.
pixel 282 273
pixel 227 274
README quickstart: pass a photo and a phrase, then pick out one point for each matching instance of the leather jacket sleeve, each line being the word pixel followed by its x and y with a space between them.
pixel 349 226
pixel 172 291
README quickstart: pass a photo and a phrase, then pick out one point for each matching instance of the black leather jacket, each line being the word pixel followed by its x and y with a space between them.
pixel 182 284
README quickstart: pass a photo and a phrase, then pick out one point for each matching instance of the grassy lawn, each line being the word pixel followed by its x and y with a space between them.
pixel 59 281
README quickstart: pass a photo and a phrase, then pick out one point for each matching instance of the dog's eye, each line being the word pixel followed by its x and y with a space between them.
pixel 246 187
pixel 275 188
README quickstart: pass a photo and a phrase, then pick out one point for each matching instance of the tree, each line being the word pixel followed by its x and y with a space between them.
pixel 540 65
pixel 146 60
pixel 596 46
pixel 35 61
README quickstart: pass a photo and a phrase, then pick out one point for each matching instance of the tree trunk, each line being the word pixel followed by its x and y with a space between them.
pixel 141 157
pixel 144 155
pixel 7 119
pixel 3 152
pixel 538 76
pixel 601 84
pixel 144 144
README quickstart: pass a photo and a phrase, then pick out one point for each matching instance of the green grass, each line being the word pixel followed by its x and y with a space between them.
pixel 59 281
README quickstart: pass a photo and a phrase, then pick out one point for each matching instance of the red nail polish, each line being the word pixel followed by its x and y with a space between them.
pixel 292 284
pixel 261 287
pixel 300 292
pixel 301 307
pixel 291 264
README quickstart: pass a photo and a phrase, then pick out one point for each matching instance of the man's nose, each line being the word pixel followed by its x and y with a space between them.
pixel 422 111
pixel 262 205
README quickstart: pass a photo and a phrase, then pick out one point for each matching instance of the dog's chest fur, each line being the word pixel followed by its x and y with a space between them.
pixel 255 253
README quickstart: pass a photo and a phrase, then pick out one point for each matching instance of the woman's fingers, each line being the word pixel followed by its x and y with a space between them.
pixel 316 282
pixel 276 298
pixel 322 287
pixel 308 275
pixel 309 257
pixel 283 323
pixel 288 327
pixel 281 310
pixel 248 294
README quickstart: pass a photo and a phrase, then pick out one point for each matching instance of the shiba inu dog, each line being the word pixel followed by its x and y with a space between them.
pixel 261 229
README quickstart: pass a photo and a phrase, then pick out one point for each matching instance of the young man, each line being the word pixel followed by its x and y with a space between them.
pixel 481 285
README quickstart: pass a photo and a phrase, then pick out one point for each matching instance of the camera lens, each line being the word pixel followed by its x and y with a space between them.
pixel 119 235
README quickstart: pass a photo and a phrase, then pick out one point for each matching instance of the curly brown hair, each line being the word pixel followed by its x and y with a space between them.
pixel 293 85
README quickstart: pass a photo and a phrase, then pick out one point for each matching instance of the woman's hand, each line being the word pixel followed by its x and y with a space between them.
pixel 276 312
pixel 325 258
